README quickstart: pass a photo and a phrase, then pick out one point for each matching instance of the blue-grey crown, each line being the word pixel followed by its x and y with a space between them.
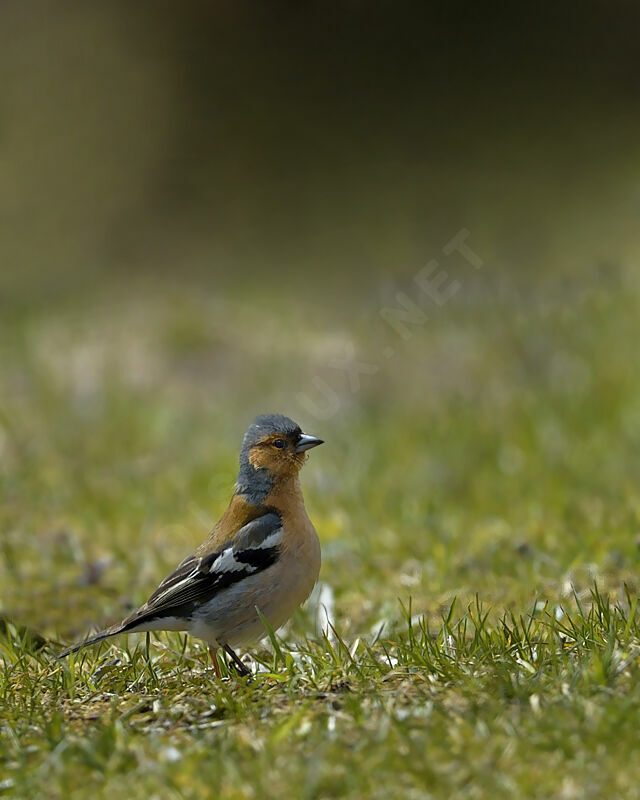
pixel 264 425
pixel 255 484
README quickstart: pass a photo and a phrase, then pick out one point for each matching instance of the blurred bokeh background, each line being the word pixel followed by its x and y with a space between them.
pixel 204 208
pixel 308 142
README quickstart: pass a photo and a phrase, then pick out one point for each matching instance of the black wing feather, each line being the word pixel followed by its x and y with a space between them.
pixel 193 583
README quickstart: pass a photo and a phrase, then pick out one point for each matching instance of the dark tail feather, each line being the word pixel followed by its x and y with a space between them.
pixel 99 637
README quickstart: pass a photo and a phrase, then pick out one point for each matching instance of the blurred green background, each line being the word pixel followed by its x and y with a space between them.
pixel 205 209
pixel 307 144
pixel 207 213
pixel 210 210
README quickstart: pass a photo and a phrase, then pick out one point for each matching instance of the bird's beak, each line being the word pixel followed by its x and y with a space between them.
pixel 307 442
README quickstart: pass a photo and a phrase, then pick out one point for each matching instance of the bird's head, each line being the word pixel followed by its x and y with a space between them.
pixel 274 447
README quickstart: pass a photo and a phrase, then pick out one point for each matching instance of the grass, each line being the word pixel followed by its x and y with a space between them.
pixel 478 506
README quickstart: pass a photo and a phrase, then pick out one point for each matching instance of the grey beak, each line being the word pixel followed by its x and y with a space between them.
pixel 307 442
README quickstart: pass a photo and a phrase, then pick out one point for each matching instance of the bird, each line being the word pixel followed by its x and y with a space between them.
pixel 259 562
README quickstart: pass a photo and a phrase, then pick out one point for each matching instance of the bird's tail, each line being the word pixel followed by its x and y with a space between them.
pixel 99 637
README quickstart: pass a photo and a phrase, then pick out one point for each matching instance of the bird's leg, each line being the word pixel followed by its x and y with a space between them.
pixel 213 652
pixel 240 668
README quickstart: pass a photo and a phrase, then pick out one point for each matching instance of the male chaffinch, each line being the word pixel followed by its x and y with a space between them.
pixel 263 554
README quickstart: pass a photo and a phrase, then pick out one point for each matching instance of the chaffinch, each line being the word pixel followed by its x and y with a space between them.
pixel 263 554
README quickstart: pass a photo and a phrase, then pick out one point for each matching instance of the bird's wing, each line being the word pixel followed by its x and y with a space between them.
pixel 255 547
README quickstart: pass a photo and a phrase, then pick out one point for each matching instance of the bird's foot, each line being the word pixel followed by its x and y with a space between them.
pixel 237 664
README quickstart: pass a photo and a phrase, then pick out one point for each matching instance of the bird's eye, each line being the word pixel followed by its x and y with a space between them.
pixel 280 443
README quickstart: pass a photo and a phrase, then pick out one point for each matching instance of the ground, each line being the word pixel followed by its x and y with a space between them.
pixel 478 503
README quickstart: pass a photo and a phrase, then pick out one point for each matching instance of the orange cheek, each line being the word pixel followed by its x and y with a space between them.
pixel 280 463
pixel 256 458
pixel 263 459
